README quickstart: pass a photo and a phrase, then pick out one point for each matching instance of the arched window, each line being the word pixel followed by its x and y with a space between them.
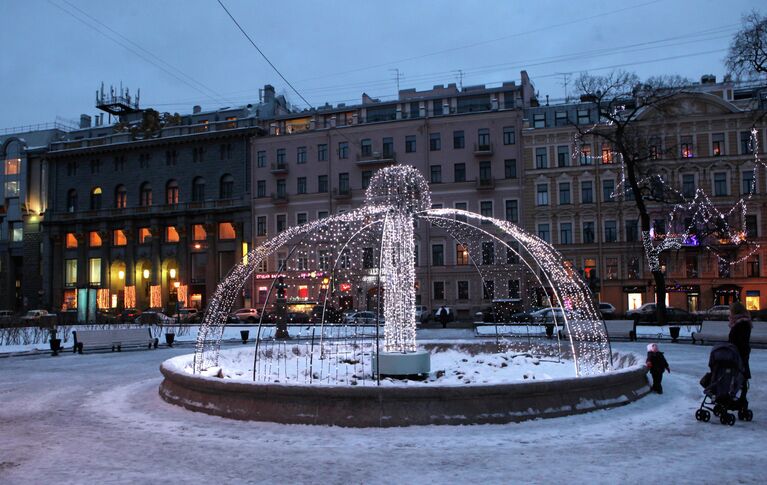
pixel 198 189
pixel 145 195
pixel 121 197
pixel 171 192
pixel 96 199
pixel 227 187
pixel 72 200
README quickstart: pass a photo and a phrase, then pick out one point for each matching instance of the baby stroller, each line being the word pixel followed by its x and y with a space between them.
pixel 722 387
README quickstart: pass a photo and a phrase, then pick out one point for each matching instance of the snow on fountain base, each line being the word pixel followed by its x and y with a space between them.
pixel 399 403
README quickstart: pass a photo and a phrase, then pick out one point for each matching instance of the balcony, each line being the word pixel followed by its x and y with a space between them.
pixel 279 199
pixel 485 183
pixel 342 193
pixel 279 168
pixel 376 158
pixel 481 149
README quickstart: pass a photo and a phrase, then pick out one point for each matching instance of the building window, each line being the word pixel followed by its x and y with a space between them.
pixel 226 231
pixel 483 139
pixel 587 192
pixel 752 227
pixel 539 120
pixel 607 153
pixel 388 147
pixel 144 235
pixel 544 232
pixel 261 159
pixel 563 156
pixel 583 116
pixel 513 288
pixel 435 174
pixel 608 190
pixel 11 188
pixel 685 146
pixel 301 155
pixel 564 193
pixel 343 150
pixel 512 253
pixel 720 184
pixel 13 166
pixel 225 150
pixel 280 156
pixel 745 143
pixel 510 168
pixel 633 269
pixel 199 233
pixel 512 210
pixel 688 185
pixel 171 192
pixel 588 232
pixel 435 142
pixel 94 271
pixel 488 253
pixel 752 300
pixel 437 255
pixel 566 233
pixel 461 255
pixel 752 266
pixel 322 152
pixel 463 206
pixel 366 176
pixel 724 269
pixel 322 183
pixel 541 159
pixel 368 258
pixel 343 183
pixel 72 200
pixel 94 239
pixel 462 290
pixel 560 118
pixel 118 238
pixel 71 169
pixel 488 290
pixel 145 195
pixel 717 144
pixel 198 189
pixel 301 185
pixel 322 214
pixel 282 222
pixel 439 290
pixel 282 190
pixel 486 208
pixel 459 172
pixel 611 231
pixel 301 218
pixel 96 199
pixel 227 187
pixel 542 194
pixel 632 231
pixel 410 144
pixel 261 188
pixel 119 163
pixel 261 226
pixel 70 272
pixel 458 139
pixel 585 155
pixel 749 185
pixel 171 234
pixel 171 156
pixel 509 135
pixel 611 268
pixel 95 166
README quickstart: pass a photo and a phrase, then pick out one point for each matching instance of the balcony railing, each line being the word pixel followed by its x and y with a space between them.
pixel 279 168
pixel 159 209
pixel 483 149
pixel 376 158
pixel 485 183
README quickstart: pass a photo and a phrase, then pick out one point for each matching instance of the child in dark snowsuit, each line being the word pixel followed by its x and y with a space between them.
pixel 657 364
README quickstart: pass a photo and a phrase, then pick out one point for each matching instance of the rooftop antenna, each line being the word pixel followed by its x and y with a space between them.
pixel 460 78
pixel 565 82
pixel 397 76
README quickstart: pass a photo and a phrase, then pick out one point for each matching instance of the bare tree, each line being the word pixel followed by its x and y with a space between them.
pixel 748 51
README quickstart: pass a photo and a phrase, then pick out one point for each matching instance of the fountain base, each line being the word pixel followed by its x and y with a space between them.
pixel 401 365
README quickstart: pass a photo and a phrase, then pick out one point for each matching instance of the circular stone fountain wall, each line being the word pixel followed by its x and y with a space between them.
pixel 387 406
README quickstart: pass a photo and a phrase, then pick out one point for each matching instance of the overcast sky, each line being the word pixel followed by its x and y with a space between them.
pixel 186 52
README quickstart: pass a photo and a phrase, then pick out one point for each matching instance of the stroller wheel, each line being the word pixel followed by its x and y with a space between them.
pixel 748 415
pixel 730 419
pixel 699 415
pixel 705 415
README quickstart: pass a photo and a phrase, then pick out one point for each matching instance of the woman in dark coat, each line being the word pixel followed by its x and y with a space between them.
pixel 740 337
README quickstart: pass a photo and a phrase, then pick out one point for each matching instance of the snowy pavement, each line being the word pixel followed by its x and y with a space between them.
pixel 98 419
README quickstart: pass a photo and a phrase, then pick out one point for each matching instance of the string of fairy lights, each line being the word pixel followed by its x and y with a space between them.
pixel 340 252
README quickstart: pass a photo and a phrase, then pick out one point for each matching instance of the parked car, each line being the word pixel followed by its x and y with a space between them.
pixel 129 315
pixel 717 312
pixel 363 318
pixel 606 309
pixel 186 314
pixel 250 315
pixel 421 314
pixel 151 317
pixel 646 308
pixel 331 315
pixel 6 313
pixel 550 315
pixel 34 316
pixel 673 315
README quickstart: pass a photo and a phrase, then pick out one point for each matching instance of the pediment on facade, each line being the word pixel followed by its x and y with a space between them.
pixel 686 105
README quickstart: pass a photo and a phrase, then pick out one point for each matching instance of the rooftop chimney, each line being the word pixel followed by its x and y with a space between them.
pixel 85 121
pixel 196 109
pixel 708 79
pixel 268 94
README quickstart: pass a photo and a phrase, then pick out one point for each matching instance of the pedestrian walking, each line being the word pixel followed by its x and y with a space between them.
pixel 443 315
pixel 657 364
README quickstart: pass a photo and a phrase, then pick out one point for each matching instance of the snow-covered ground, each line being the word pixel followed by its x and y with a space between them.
pixel 98 419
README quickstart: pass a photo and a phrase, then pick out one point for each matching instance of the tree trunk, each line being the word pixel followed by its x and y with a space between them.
pixel 660 295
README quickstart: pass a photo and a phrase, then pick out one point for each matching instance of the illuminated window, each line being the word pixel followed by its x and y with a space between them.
pixel 94 239
pixel 226 230
pixel 121 197
pixel 71 240
pixel 96 199
pixel 607 154
pixel 171 234
pixel 144 235
pixel 12 188
pixel 171 193
pixel 634 300
pixel 70 272
pixel 94 271
pixel 12 166
pixel 752 300
pixel 461 254
pixel 199 233
pixel 118 238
